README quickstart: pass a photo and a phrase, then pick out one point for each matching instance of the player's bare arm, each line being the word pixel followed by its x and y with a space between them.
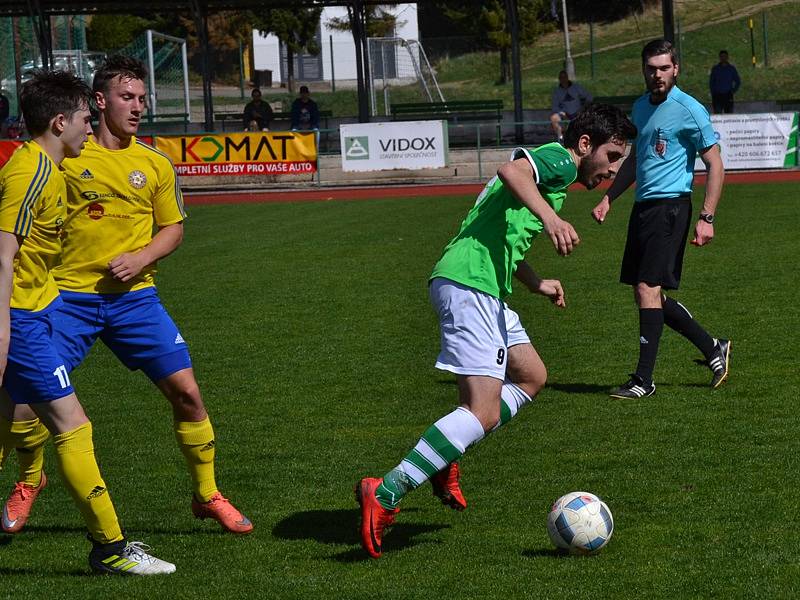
pixel 623 180
pixel 550 288
pixel 129 264
pixel 517 175
pixel 9 246
pixel 711 157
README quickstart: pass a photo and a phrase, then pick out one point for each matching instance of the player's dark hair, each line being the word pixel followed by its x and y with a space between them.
pixel 50 93
pixel 119 67
pixel 657 48
pixel 601 122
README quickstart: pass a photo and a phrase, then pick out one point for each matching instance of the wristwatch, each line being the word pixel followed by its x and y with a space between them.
pixel 708 218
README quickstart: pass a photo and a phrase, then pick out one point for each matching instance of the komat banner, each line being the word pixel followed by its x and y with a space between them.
pixel 395 145
pixel 756 141
pixel 263 153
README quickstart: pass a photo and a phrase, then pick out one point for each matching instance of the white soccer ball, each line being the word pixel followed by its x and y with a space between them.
pixel 580 522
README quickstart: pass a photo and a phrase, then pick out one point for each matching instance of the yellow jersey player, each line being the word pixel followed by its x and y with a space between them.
pixel 118 191
pixel 37 398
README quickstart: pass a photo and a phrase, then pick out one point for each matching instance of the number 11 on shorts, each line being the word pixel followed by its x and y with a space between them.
pixel 63 377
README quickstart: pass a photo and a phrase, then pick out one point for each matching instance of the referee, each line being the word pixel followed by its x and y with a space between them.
pixel 673 127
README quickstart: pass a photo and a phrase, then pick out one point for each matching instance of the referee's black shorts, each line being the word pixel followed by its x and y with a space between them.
pixel 657 234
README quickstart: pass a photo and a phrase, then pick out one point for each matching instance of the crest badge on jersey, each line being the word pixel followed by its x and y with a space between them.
pixel 660 144
pixel 137 179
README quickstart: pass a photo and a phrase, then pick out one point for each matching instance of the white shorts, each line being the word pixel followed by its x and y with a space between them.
pixel 476 330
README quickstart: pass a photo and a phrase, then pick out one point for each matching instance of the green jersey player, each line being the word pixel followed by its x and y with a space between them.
pixel 482 340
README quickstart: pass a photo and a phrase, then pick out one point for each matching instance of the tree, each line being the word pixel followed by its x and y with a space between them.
pixel 485 21
pixel 379 22
pixel 296 29
pixel 107 33
pixel 226 29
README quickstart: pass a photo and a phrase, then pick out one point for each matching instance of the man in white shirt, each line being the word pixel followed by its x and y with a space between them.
pixel 568 100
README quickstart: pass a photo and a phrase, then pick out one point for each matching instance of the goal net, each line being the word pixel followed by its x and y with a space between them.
pixel 399 72
pixel 168 73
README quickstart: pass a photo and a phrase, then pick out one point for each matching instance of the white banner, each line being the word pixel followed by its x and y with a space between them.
pixel 756 141
pixel 395 145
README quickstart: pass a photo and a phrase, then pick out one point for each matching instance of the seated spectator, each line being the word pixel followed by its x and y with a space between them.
pixel 305 113
pixel 257 113
pixel 568 100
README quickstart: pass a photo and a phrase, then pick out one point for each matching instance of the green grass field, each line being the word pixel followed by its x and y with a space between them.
pixel 314 345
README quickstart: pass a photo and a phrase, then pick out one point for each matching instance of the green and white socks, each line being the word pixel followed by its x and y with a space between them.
pixel 444 442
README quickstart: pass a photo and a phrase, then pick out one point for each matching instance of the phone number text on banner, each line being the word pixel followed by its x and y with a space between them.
pixel 267 153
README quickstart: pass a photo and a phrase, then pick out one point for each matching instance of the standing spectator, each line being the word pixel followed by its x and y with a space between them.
pixel 305 113
pixel 568 100
pixel 5 110
pixel 257 113
pixel 724 83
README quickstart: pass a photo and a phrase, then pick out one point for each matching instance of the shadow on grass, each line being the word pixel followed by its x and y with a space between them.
pixel 135 531
pixel 341 527
pixel 548 553
pixel 37 571
pixel 581 388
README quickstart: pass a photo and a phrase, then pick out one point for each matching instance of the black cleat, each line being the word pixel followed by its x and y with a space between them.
pixel 719 362
pixel 634 388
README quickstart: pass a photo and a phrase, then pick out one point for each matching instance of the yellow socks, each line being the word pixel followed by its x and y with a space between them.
pixel 29 438
pixel 196 440
pixel 81 475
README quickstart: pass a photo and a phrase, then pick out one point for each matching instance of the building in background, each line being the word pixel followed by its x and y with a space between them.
pixel 270 55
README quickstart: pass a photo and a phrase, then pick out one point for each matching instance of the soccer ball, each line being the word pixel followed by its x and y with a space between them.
pixel 580 522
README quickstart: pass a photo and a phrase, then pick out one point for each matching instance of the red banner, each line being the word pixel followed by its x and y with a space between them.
pixel 7 148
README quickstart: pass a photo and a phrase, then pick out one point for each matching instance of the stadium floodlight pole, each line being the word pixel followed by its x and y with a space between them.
pixel 512 18
pixel 669 20
pixel 569 65
pixel 354 10
pixel 151 75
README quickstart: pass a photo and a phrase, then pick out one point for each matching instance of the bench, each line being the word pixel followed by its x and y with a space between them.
pixel 624 103
pixel 454 111
pixel 237 116
pixel 155 122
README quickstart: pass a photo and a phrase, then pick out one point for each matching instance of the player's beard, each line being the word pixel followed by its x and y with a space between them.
pixel 588 173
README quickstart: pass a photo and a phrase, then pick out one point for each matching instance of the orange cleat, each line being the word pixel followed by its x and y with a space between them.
pixel 446 488
pixel 220 509
pixel 374 517
pixel 19 504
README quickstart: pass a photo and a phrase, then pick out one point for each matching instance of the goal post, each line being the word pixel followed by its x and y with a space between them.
pixel 402 65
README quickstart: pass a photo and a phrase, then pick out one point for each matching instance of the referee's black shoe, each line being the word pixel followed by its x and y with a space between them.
pixel 634 388
pixel 719 362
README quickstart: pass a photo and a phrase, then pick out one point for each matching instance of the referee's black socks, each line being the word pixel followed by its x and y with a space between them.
pixel 678 318
pixel 651 323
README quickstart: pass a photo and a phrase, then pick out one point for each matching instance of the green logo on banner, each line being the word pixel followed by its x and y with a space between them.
pixel 356 148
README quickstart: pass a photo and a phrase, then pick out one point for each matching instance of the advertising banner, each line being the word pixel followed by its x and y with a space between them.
pixel 7 148
pixel 756 141
pixel 263 153
pixel 396 145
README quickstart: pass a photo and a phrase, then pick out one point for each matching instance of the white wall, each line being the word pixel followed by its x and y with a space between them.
pixel 266 48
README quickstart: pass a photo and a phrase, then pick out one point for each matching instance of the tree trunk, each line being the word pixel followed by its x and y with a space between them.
pixel 504 66
pixel 289 69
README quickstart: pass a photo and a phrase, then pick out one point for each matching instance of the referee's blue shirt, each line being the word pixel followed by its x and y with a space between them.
pixel 670 135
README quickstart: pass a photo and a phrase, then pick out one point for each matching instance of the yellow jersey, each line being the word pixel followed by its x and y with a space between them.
pixel 33 206
pixel 115 201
